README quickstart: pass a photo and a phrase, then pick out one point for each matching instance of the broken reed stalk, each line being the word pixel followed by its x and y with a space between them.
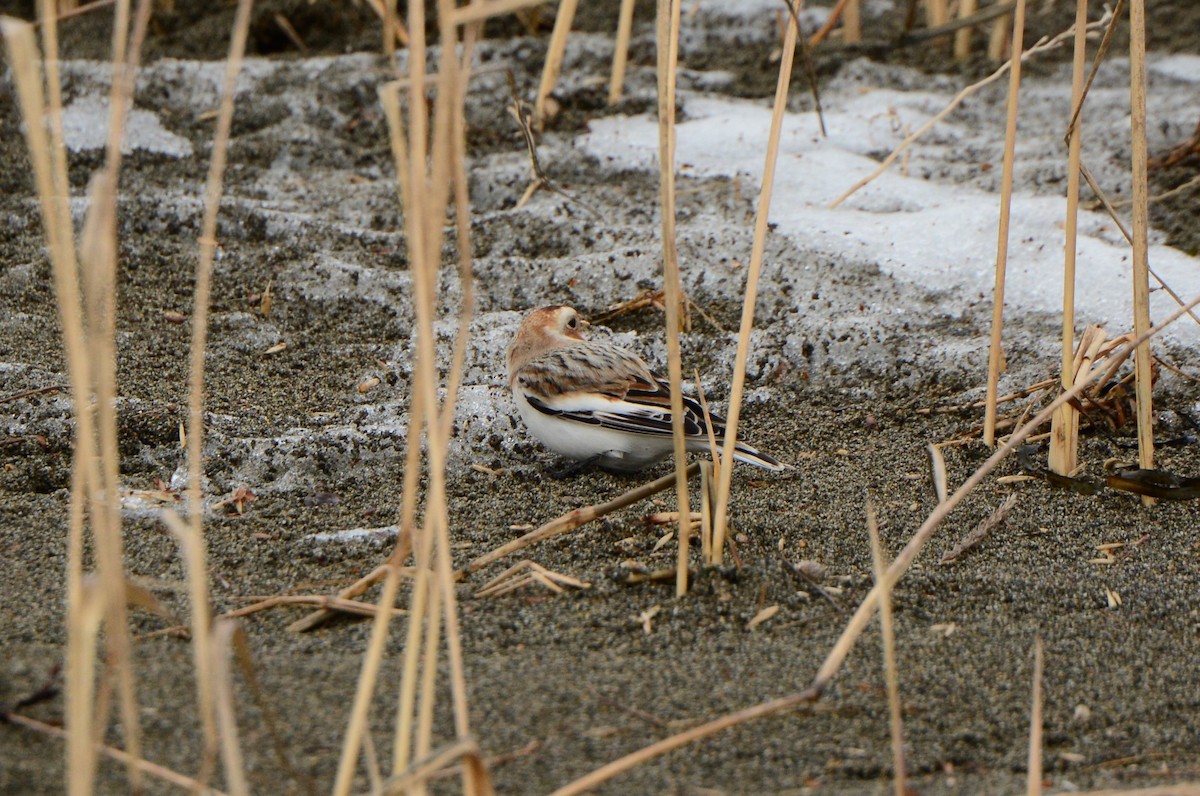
pixel 1141 228
pixel 621 51
pixel 1033 776
pixel 668 55
pixel 888 633
pixel 1044 44
pixel 750 295
pixel 1064 429
pixel 996 349
pixel 962 38
pixel 862 615
pixel 554 57
pixel 575 518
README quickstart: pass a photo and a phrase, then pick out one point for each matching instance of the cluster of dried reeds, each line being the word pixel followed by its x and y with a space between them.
pixel 429 155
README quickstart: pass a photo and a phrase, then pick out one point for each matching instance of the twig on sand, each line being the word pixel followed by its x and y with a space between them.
pixel 573 519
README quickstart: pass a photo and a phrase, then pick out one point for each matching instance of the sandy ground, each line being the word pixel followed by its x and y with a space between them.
pixel 310 211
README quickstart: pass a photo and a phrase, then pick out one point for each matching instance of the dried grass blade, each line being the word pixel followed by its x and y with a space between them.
pixel 231 751
pixel 192 547
pixel 750 295
pixel 887 631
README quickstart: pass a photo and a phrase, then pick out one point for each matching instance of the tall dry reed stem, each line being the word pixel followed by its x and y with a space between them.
pixel 668 55
pixel 48 158
pixel 425 191
pixel 1141 229
pixel 996 349
pixel 750 295
pixel 1064 429
pixel 862 615
pixel 207 680
pixel 888 634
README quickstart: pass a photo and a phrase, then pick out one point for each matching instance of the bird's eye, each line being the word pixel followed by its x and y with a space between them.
pixel 573 323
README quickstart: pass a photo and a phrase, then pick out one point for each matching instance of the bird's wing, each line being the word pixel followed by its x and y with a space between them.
pixel 603 385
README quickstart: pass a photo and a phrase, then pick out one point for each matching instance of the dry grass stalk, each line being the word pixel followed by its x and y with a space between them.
pixel 1064 429
pixel 980 531
pixel 835 14
pixel 524 573
pixel 96 449
pixel 192 547
pixel 852 22
pixel 427 768
pixel 333 604
pixel 1181 789
pixel 866 608
pixel 709 479
pixel 621 51
pixel 82 634
pixel 962 39
pixel 1043 45
pixel 995 349
pixel 887 631
pixel 121 756
pixel 1033 780
pixel 750 295
pixel 575 518
pixel 231 752
pixel 429 666
pixel 478 11
pixel 937 12
pixel 1141 229
pixel 193 541
pixel 998 39
pixel 554 57
pixel 372 660
pixel 668 55
pixel 48 157
pixel 425 191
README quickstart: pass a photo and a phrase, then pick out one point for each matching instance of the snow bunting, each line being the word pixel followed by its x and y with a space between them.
pixel 592 401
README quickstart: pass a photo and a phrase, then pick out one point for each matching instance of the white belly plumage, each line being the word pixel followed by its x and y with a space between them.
pixel 617 450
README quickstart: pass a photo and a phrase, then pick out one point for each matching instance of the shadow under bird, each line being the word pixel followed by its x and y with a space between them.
pixel 597 403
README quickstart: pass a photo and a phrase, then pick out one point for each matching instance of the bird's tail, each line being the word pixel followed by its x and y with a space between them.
pixel 744 453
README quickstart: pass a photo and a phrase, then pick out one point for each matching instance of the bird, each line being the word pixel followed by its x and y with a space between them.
pixel 599 404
